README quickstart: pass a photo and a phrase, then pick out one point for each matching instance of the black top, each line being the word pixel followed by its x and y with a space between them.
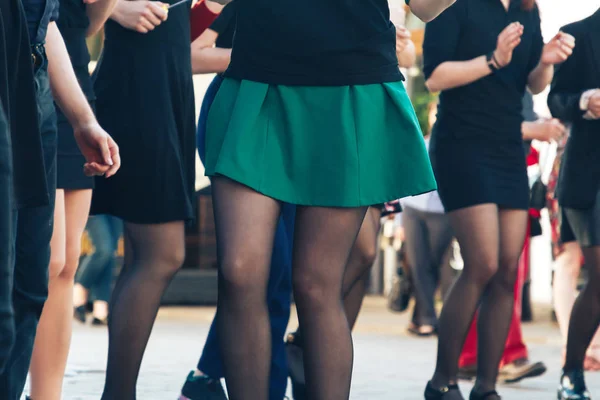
pixel 224 25
pixel 314 43
pixel 39 14
pixel 579 179
pixel 529 115
pixel 73 24
pixel 490 107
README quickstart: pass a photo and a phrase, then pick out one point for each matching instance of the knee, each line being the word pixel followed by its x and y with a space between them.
pixel 507 272
pixel 243 274
pixel 58 260
pixel 483 272
pixel 310 289
pixel 367 255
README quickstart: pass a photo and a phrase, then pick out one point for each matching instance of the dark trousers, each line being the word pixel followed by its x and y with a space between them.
pixel 96 270
pixel 33 231
pixel 7 327
pixel 279 290
pixel 428 237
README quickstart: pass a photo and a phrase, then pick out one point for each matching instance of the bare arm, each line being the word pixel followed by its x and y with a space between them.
pixel 100 151
pixel 206 58
pixel 98 12
pixel 427 10
pixel 405 48
pixel 543 130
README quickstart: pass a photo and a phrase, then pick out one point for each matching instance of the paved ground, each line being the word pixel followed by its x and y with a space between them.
pixel 389 364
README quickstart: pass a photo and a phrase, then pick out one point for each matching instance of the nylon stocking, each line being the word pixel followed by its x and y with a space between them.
pixel 153 255
pixel 245 225
pixel 322 243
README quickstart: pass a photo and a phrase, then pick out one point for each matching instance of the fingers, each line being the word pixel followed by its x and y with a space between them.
pixel 150 13
pixel 116 158
pixel 160 10
pixel 402 33
pixel 144 26
pixel 94 169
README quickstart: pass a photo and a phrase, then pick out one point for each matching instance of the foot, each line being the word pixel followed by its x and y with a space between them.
pixel 202 388
pixel 80 313
pixel 489 395
pixel 296 365
pixel 572 387
pixel 521 369
pixel 100 321
pixel 448 392
pixel 467 372
pixel 421 330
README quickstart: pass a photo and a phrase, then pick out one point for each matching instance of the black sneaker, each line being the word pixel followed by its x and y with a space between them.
pixel 202 388
pixel 296 365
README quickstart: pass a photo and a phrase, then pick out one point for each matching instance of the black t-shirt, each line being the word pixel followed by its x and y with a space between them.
pixel 492 106
pixel 314 42
pixel 224 25
pixel 39 13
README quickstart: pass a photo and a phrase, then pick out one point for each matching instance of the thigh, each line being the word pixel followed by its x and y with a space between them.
pixel 323 239
pixel 58 241
pixel 477 231
pixel 513 230
pixel 585 224
pixel 77 207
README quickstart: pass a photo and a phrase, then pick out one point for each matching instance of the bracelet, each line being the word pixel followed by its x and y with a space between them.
pixel 496 60
pixel 491 62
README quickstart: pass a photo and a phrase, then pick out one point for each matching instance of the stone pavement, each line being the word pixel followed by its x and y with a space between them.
pixel 389 365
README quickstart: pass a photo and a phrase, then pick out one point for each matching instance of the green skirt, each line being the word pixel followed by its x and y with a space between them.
pixel 341 146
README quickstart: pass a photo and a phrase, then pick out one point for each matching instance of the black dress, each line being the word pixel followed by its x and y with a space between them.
pixel 476 146
pixel 145 100
pixel 73 24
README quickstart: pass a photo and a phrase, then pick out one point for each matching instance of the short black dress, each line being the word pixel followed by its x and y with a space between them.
pixel 145 100
pixel 476 146
pixel 73 24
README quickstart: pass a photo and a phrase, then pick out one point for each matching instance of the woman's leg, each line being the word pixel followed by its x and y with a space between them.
pixel 53 337
pixel 362 257
pixel 322 244
pixel 566 273
pixel 245 225
pixel 153 254
pixel 498 300
pixel 103 285
pixel 477 231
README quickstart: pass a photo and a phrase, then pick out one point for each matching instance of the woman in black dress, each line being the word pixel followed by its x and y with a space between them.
pixel 145 98
pixel 77 20
pixel 482 56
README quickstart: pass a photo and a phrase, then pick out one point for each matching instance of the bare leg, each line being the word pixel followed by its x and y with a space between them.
pixel 53 338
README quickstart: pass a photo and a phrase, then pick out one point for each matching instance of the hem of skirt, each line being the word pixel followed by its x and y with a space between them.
pixel 286 198
pixel 501 205
pixel 143 221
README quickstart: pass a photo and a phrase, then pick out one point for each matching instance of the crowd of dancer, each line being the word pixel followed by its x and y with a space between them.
pixel 300 133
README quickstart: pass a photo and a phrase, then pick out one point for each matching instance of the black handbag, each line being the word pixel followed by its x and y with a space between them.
pixel 539 191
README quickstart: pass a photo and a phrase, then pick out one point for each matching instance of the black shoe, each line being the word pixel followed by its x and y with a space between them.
pixel 295 357
pixel 572 386
pixel 432 393
pixel 491 395
pixel 80 313
pixel 100 322
pixel 202 388
pixel 521 369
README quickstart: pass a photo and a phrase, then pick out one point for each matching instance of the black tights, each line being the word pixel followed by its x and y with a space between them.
pixel 491 242
pixel 585 317
pixel 153 254
pixel 245 225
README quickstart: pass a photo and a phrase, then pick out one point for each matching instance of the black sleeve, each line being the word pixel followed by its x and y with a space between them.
pixel 224 19
pixel 441 38
pixel 566 90
pixel 538 40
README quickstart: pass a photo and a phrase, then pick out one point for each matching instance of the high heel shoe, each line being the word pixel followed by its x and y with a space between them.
pixel 572 386
pixel 432 393
pixel 491 395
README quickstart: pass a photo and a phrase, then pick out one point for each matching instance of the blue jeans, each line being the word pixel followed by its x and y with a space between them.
pixel 96 270
pixel 279 290
pixel 32 252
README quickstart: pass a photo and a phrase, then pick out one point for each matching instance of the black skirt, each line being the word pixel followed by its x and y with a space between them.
pixel 473 171
pixel 145 100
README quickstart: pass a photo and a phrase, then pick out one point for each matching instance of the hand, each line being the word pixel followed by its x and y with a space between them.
pixel 548 130
pixel 558 49
pixel 99 149
pixel 508 40
pixel 403 36
pixel 140 15
pixel 594 104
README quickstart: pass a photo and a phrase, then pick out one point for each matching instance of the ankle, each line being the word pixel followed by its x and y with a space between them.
pixel 482 386
pixel 439 381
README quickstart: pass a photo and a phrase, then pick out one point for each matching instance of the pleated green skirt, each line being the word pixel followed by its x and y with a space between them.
pixel 342 146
